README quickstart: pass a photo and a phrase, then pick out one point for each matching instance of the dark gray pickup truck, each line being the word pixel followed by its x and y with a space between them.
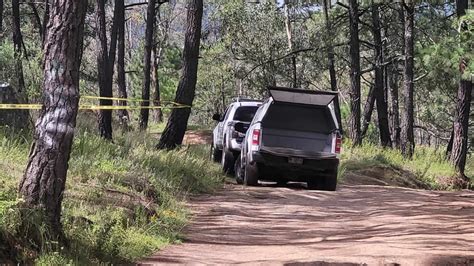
pixel 294 136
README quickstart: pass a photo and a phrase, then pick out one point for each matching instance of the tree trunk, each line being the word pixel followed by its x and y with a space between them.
pixel 37 19
pixel 463 103
pixel 379 91
pixel 150 23
pixel 1 16
pixel 156 55
pixel 289 36
pixel 331 61
pixel 14 119
pixel 105 116
pixel 354 120
pixel 407 136
pixel 121 79
pixel 177 123
pixel 45 19
pixel 18 48
pixel 395 114
pixel 368 109
pixel 44 180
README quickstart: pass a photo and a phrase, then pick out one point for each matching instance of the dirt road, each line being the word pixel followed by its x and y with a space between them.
pixel 371 225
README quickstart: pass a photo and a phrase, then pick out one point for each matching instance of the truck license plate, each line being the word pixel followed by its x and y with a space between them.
pixel 294 160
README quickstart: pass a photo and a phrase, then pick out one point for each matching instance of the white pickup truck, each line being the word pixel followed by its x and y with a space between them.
pixel 230 131
pixel 294 136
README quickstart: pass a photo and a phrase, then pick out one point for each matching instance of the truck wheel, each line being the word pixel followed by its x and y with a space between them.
pixel 251 175
pixel 227 162
pixel 315 183
pixel 216 154
pixel 239 173
pixel 330 182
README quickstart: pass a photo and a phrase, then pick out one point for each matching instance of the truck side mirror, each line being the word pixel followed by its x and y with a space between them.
pixel 216 117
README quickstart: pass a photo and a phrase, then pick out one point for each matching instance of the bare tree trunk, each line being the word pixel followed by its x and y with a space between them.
pixel 44 180
pixel 331 60
pixel 45 19
pixel 18 48
pixel 1 16
pixel 150 23
pixel 290 45
pixel 407 136
pixel 156 55
pixel 37 19
pixel 354 120
pixel 105 116
pixel 177 123
pixel 368 109
pixel 395 114
pixel 463 103
pixel 379 92
pixel 105 63
pixel 121 79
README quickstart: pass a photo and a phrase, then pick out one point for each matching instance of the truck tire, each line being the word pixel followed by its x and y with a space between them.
pixel 315 183
pixel 216 154
pixel 330 181
pixel 239 173
pixel 251 175
pixel 227 162
pixel 326 183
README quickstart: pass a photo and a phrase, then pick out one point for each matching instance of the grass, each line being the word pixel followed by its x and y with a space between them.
pixel 123 200
pixel 428 165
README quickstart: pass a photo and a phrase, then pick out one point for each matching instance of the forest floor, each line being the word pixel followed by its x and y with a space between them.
pixel 367 221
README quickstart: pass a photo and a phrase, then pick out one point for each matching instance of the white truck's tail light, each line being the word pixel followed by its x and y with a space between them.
pixel 256 137
pixel 337 149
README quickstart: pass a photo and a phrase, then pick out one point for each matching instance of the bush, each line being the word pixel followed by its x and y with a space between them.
pixel 123 200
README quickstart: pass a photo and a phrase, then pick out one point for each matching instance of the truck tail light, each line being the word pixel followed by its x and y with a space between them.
pixel 256 137
pixel 337 149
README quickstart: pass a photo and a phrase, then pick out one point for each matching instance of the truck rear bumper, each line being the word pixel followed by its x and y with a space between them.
pixel 278 166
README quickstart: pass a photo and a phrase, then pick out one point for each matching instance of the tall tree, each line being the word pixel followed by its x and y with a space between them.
pixel 392 75
pixel 44 180
pixel 105 64
pixel 45 19
pixel 150 25
pixel 105 116
pixel 176 127
pixel 1 16
pixel 407 136
pixel 37 19
pixel 463 100
pixel 354 120
pixel 289 35
pixel 379 84
pixel 161 35
pixel 121 78
pixel 156 56
pixel 18 48
pixel 368 110
pixel 331 60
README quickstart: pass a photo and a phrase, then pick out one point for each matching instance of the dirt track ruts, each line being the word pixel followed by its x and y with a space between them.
pixel 372 225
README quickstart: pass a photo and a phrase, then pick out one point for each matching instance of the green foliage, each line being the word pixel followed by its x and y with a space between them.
pixel 7 62
pixel 428 165
pixel 123 200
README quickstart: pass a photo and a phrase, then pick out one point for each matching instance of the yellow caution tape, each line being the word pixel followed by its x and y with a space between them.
pixel 12 106
pixel 129 100
pixel 174 105
pixel 114 99
pixel 89 107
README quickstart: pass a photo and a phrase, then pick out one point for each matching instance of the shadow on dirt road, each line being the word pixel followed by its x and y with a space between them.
pixel 371 225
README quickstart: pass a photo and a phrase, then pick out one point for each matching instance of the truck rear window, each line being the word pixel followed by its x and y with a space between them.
pixel 245 113
pixel 299 118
